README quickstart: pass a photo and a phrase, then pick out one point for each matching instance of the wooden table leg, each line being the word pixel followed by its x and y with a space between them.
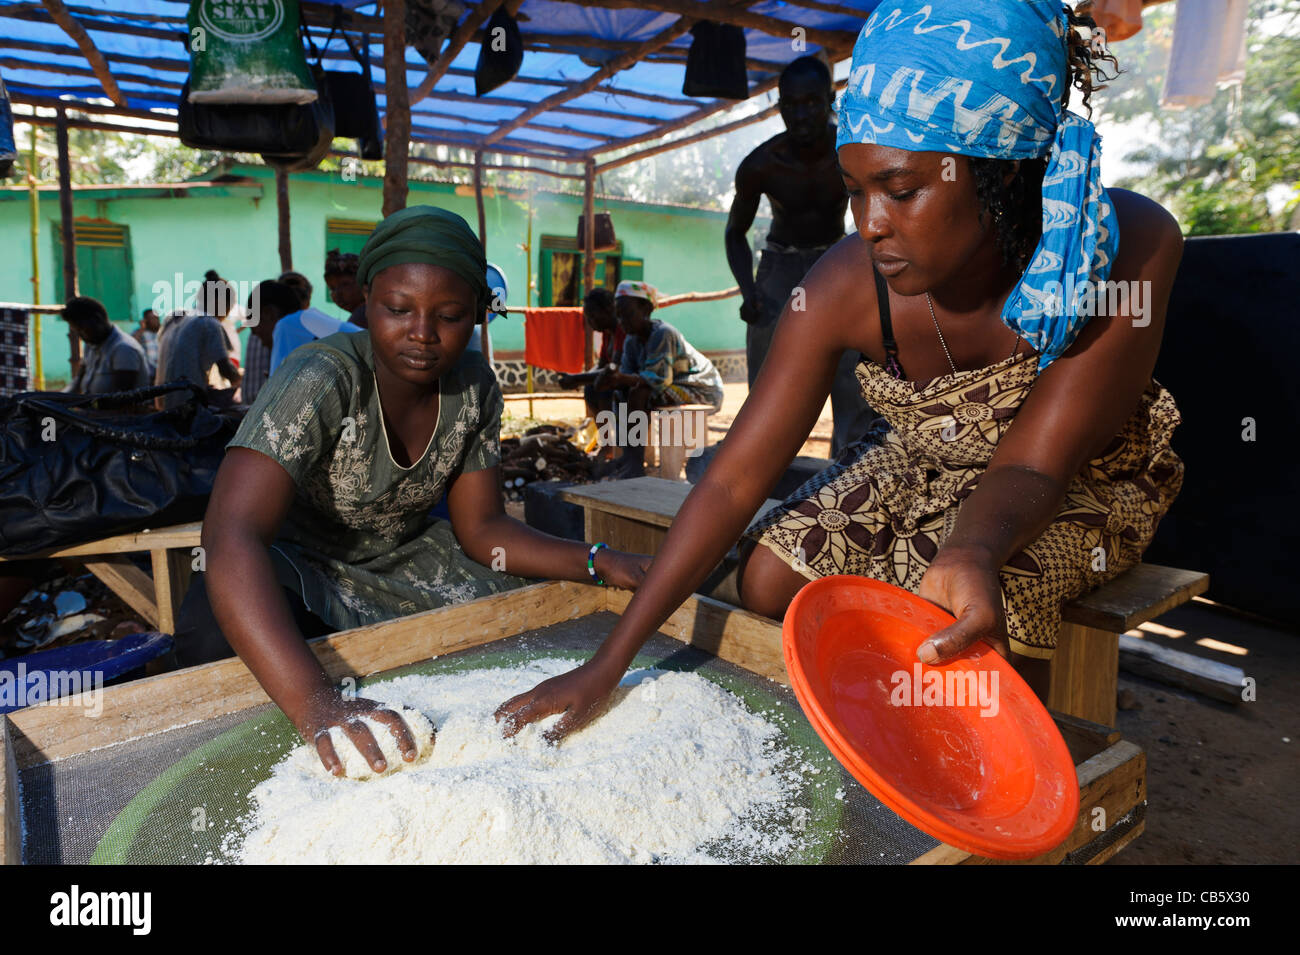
pixel 171 577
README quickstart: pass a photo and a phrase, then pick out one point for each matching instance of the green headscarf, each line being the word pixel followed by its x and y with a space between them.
pixel 432 235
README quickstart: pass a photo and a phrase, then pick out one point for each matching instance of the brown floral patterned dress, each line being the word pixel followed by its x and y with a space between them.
pixel 886 507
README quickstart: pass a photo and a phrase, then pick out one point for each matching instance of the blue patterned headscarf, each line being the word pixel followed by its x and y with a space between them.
pixel 986 80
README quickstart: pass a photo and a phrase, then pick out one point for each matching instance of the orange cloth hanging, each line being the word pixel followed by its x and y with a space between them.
pixel 1120 19
pixel 554 339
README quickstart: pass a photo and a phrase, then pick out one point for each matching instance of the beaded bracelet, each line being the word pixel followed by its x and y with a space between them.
pixel 591 563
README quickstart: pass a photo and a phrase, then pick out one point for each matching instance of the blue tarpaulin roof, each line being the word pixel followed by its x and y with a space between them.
pixel 144 44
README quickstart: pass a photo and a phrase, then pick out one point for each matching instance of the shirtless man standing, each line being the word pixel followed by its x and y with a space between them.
pixel 798 172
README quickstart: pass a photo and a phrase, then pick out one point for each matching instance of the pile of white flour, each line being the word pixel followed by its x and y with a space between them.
pixel 675 763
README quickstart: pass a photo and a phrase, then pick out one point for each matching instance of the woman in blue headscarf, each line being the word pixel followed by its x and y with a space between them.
pixel 1008 310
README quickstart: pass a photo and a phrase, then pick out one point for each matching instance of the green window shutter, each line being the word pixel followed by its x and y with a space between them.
pixel 634 270
pixel 347 235
pixel 103 267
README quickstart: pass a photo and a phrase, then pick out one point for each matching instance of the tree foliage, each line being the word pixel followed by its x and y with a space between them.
pixel 1232 165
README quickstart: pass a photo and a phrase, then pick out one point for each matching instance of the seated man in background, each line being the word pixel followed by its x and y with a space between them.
pixel 113 360
pixel 659 368
pixel 341 279
pixel 269 302
pixel 303 326
pixel 598 312
pixel 193 344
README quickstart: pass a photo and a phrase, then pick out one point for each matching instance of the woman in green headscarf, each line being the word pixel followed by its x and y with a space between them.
pixel 319 518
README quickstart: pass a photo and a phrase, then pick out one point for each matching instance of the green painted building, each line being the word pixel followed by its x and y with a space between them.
pixel 140 246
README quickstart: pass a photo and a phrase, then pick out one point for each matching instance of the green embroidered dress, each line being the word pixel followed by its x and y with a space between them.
pixel 358 543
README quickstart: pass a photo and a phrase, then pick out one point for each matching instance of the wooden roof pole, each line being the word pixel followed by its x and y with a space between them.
pixel 59 13
pixel 588 251
pixel 397 113
pixel 478 199
pixel 660 39
pixel 455 43
pixel 282 218
pixel 697 137
pixel 484 342
pixel 68 227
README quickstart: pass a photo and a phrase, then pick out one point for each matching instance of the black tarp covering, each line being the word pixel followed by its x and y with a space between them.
pixel 1231 351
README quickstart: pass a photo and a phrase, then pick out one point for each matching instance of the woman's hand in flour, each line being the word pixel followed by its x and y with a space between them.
pixel 620 569
pixel 345 713
pixel 965 583
pixel 578 694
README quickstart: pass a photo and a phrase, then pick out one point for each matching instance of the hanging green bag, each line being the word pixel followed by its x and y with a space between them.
pixel 247 51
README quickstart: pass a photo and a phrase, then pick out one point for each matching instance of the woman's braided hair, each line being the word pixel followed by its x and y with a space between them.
pixel 1016 207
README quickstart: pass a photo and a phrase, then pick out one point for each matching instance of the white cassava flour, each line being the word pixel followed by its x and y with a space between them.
pixel 355 766
pixel 674 764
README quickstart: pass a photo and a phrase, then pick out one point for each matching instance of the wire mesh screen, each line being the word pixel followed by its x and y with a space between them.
pixel 176 797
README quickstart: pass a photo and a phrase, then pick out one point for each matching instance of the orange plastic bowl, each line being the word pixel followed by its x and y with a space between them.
pixel 988 774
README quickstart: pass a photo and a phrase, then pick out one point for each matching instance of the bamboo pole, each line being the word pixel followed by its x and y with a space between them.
pixel 33 172
pixel 686 297
pixel 69 229
pixel 397 111
pixel 588 252
pixel 528 254
pixel 282 210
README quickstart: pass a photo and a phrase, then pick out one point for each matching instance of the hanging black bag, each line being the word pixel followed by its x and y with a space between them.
pixel 356 113
pixel 715 63
pixel 604 238
pixel 76 468
pixel 500 53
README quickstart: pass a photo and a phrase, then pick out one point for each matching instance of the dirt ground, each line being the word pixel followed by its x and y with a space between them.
pixel 1221 778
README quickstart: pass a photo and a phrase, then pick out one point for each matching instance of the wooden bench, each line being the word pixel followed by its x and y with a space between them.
pixel 635 514
pixel 158 599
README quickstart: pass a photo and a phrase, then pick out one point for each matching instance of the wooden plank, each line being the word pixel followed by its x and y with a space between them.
pixel 1219 681
pixel 11 832
pixel 178 535
pixel 651 500
pixel 625 534
pixel 1139 594
pixel 1084 738
pixel 732 634
pixel 48 731
pixel 171 578
pixel 1085 674
pixel 130 583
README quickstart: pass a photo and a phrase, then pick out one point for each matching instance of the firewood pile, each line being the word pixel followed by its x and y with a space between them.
pixel 543 453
